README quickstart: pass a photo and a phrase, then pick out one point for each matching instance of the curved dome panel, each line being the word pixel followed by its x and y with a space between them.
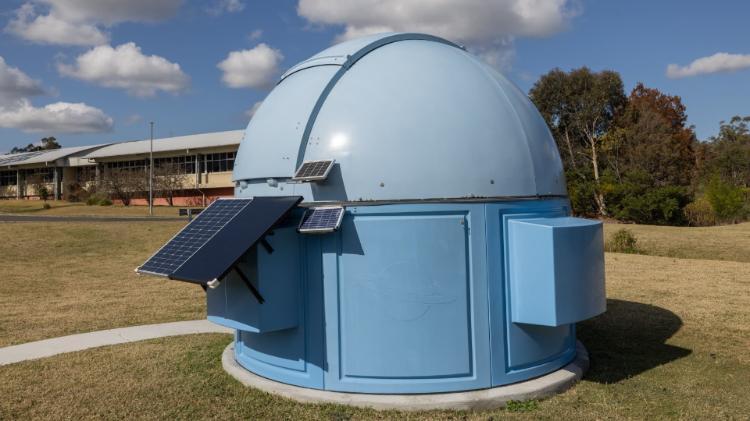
pixel 415 119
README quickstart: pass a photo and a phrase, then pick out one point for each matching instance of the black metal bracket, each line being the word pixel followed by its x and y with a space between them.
pixel 249 285
pixel 266 245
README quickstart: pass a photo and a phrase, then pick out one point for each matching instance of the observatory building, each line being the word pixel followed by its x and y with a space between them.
pixel 400 226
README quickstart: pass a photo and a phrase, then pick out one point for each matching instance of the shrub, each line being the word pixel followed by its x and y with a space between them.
pixel 700 213
pixel 622 241
pixel 47 206
pixel 727 200
pixel 76 193
pixel 97 199
pixel 105 202
pixel 636 201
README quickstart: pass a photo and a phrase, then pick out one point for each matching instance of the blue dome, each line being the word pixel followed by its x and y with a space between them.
pixel 405 117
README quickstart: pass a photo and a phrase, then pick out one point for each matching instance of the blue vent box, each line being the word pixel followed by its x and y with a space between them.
pixel 556 269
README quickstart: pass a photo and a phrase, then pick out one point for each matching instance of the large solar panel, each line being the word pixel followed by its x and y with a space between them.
pixel 209 246
pixel 194 236
pixel 321 220
pixel 313 170
pixel 17 157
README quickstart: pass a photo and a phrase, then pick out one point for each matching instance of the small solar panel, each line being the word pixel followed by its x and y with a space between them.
pixel 321 220
pixel 314 170
pixel 194 236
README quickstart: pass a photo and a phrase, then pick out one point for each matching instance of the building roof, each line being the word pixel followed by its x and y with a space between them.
pixel 178 143
pixel 41 157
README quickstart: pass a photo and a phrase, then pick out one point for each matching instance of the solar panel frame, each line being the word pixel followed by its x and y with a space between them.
pixel 198 219
pixel 314 170
pixel 331 225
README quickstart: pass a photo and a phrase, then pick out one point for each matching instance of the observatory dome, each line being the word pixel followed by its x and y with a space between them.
pixel 404 117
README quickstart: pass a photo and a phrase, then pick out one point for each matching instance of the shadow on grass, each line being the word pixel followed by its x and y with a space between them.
pixel 629 339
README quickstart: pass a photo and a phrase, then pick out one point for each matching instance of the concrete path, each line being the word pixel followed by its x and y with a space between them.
pixel 84 218
pixel 79 342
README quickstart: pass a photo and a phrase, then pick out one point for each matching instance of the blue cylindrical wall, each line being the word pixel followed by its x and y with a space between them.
pixel 407 298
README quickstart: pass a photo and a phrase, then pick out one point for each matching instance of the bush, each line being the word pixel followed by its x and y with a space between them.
pixel 76 193
pixel 727 200
pixel 622 241
pixel 700 213
pixel 47 206
pixel 636 200
pixel 97 199
pixel 581 193
pixel 105 202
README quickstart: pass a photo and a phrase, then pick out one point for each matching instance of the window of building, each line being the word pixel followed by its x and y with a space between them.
pixel 7 178
pixel 219 162
pixel 45 175
pixel 86 173
pixel 180 164
pixel 133 165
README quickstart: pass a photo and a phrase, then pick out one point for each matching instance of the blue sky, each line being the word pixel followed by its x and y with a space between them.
pixel 96 71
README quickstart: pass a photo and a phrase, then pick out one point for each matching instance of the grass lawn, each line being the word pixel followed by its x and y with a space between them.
pixel 60 278
pixel 64 208
pixel 673 343
pixel 728 242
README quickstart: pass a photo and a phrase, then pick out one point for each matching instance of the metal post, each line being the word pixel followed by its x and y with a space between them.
pixel 151 173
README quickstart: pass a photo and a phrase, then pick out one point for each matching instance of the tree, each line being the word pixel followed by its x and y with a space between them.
pixel 727 200
pixel 728 154
pixel 580 107
pixel 650 136
pixel 167 181
pixel 47 143
pixel 124 184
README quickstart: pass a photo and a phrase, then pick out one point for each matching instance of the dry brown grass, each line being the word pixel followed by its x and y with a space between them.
pixel 727 242
pixel 61 278
pixel 64 208
pixel 673 345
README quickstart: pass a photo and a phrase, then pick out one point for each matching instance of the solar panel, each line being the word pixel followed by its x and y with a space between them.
pixel 17 157
pixel 313 170
pixel 321 220
pixel 194 236
pixel 209 246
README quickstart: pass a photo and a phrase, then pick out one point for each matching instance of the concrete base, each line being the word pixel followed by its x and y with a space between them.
pixel 540 387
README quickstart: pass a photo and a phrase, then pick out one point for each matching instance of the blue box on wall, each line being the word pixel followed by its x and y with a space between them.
pixel 556 271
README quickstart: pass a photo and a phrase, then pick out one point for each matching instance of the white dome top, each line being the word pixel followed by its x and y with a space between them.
pixel 405 117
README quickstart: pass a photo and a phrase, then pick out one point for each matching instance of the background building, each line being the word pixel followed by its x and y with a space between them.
pixel 198 167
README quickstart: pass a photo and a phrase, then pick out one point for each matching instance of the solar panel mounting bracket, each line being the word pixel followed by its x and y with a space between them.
pixel 249 285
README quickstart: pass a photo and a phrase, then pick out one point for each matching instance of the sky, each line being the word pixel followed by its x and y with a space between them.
pixel 98 71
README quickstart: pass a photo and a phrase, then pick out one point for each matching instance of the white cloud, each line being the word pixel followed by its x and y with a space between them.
pixel 60 117
pixel 15 84
pixel 719 62
pixel 250 112
pixel 487 27
pixel 126 67
pixel 50 29
pixel 256 34
pixel 228 6
pixel 254 68
pixel 80 22
pixel 17 112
